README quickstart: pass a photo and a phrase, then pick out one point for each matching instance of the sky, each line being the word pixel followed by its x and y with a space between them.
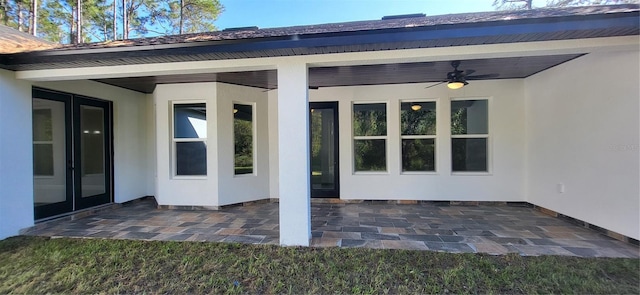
pixel 284 13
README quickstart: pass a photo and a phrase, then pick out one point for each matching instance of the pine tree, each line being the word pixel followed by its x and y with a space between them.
pixel 77 21
pixel 528 4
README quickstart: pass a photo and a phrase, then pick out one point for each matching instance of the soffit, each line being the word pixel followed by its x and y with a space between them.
pixel 398 73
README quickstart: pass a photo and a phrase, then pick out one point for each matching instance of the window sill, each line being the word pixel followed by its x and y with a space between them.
pixel 419 173
pixel 177 177
pixel 486 173
pixel 244 175
pixel 371 173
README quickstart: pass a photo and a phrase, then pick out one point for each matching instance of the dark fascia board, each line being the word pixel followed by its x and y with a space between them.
pixel 546 25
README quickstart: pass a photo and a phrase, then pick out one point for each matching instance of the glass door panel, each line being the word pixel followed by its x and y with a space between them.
pixel 52 192
pixel 92 152
pixel 324 151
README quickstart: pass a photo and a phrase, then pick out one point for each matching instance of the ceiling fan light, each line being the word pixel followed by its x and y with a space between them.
pixel 456 85
pixel 416 107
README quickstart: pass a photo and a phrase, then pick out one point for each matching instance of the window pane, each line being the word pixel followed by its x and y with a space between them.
pixel 43 159
pixel 418 155
pixel 370 155
pixel 191 158
pixel 190 120
pixel 92 151
pixel 469 117
pixel 323 154
pixel 370 119
pixel 42 127
pixel 243 138
pixel 469 154
pixel 92 139
pixel 418 118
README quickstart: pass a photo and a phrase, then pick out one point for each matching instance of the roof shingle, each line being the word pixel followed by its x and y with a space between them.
pixel 13 41
pixel 428 21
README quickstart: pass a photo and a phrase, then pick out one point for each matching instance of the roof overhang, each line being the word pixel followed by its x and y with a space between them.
pixel 534 29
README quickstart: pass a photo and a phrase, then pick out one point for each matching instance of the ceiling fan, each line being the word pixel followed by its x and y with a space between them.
pixel 457 79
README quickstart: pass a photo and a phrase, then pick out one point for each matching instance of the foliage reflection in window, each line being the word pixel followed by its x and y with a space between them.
pixel 370 136
pixel 190 139
pixel 243 138
pixel 418 133
pixel 469 135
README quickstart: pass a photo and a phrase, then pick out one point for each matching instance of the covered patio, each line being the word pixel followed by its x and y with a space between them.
pixel 493 229
pixel 528 138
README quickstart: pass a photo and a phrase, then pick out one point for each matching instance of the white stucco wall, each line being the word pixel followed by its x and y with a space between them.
pixel 16 155
pixel 583 133
pixel 505 180
pixel 150 149
pixel 272 101
pixel 232 188
pixel 185 190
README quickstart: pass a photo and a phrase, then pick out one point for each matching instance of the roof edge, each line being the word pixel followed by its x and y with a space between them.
pixel 439 27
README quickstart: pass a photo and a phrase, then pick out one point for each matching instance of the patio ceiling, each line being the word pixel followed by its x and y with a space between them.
pixel 397 73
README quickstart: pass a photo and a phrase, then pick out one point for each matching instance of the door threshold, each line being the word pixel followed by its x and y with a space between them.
pixel 79 213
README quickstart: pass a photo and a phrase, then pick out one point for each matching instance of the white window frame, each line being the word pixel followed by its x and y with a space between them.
pixel 486 135
pixel 254 154
pixel 434 137
pixel 174 140
pixel 385 137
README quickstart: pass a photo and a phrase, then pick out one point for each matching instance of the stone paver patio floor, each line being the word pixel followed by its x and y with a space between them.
pixel 459 229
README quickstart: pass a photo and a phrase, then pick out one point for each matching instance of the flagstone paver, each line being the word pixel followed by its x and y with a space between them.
pixel 491 229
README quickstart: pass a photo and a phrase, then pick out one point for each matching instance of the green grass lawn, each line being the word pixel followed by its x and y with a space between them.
pixel 39 265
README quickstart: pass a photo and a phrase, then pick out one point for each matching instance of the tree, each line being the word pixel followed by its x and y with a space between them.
pixel 33 23
pixel 192 16
pixel 48 29
pixel 513 4
pixel 77 21
pixel 140 17
pixel 562 3
pixel 98 21
pixel 16 13
pixel 3 12
pixel 528 4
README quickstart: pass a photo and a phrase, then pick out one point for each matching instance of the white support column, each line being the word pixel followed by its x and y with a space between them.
pixel 293 150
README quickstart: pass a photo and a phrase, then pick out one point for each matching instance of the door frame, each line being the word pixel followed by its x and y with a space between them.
pixel 325 193
pixel 80 202
pixel 74 201
pixel 44 211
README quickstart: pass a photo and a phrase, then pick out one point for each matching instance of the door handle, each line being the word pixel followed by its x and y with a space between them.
pixel 70 165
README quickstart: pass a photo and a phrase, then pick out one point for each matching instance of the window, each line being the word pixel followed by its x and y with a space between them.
pixel 370 136
pixel 469 135
pixel 190 139
pixel 243 139
pixel 42 142
pixel 418 135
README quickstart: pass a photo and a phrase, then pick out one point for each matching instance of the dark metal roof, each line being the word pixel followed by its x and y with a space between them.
pixel 419 32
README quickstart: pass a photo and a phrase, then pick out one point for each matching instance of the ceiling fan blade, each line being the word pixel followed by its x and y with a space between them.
pixel 469 72
pixel 479 77
pixel 435 84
